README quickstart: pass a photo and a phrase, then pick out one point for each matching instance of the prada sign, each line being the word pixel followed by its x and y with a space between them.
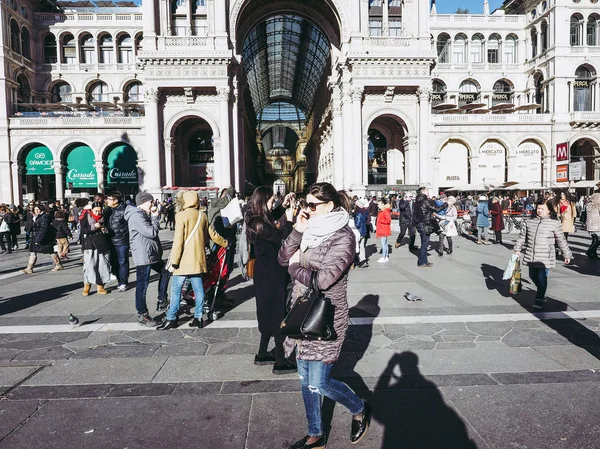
pixel 468 97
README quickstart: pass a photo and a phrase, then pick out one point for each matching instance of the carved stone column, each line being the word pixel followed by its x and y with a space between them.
pixel 338 138
pixel 169 161
pixel 149 20
pixel 224 168
pixel 17 182
pixel 238 180
pixel 59 178
pixel 424 114
pixel 152 175
pixel 358 183
pixel 411 162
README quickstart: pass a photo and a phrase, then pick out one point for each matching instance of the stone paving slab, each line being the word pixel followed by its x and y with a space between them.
pixel 553 416
pixel 97 371
pixel 136 423
pixel 13 413
pixel 10 376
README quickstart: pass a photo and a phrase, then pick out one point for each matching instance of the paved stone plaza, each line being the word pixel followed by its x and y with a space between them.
pixel 468 366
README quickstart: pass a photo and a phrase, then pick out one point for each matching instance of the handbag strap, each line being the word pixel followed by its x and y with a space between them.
pixel 189 237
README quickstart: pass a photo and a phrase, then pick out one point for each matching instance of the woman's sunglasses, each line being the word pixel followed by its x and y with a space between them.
pixel 313 206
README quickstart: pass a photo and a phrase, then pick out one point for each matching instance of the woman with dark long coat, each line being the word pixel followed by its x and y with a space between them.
pixel 497 219
pixel 266 229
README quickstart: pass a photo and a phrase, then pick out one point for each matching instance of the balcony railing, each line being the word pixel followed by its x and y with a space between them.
pixel 585 116
pixel 478 66
pixel 474 18
pixel 452 119
pixel 74 121
pixel 48 18
pixel 168 42
pixel 93 68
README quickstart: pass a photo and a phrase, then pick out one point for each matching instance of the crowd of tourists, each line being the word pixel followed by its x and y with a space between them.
pixel 294 249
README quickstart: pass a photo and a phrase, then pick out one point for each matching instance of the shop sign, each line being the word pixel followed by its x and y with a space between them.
pixel 122 166
pixel 467 97
pixel 454 165
pixel 575 171
pixel 501 97
pixel 527 163
pixel 562 152
pixel 39 161
pixel 81 172
pixel 562 173
pixel 491 163
pixel 437 97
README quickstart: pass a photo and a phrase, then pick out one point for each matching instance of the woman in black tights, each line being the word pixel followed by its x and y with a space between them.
pixel 266 228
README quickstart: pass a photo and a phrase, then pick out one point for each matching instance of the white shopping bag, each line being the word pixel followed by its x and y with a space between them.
pixel 232 213
pixel 510 268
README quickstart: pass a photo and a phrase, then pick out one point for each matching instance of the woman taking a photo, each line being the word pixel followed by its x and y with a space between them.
pixel 537 241
pixel 324 244
pixel 96 249
pixel 265 235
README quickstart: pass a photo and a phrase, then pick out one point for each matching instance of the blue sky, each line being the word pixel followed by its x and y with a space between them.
pixel 474 6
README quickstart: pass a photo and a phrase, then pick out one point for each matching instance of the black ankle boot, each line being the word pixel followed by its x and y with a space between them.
pixel 197 322
pixel 168 324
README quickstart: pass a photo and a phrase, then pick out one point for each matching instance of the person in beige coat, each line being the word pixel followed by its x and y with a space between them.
pixel 537 242
pixel 592 225
pixel 188 259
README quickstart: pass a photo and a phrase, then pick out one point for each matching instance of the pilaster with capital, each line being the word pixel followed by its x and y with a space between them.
pixel 358 181
pixel 152 175
pixel 338 137
pixel 169 161
pixel 223 168
pixel 424 117
pixel 59 179
pixel 238 159
pixel 411 163
pixel 100 173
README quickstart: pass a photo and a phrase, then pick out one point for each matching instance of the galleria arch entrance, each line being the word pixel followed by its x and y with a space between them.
pixel 192 154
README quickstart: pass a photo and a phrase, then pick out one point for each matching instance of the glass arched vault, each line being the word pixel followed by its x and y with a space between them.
pixel 285 57
pixel 279 140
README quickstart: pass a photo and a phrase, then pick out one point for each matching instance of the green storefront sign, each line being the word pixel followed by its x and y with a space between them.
pixel 81 171
pixel 122 166
pixel 39 161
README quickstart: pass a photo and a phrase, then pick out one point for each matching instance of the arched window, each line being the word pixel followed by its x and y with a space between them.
pixel 15 39
pixel 443 48
pixel 510 49
pixel 278 164
pixel 468 92
pixel 88 49
pixel 438 95
pixel 134 93
pixel 106 49
pixel 125 47
pixel 69 49
pixel 576 29
pixel 50 49
pixel 459 49
pixel 544 36
pixel 25 43
pixel 540 98
pixel 534 43
pixel 61 93
pixel 477 48
pixel 24 90
pixel 592 30
pixel 582 88
pixel 503 92
pixel 493 51
pixel 98 92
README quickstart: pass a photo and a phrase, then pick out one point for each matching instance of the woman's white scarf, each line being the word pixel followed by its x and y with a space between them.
pixel 322 227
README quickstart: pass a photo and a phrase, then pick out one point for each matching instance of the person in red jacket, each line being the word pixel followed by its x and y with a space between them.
pixel 497 219
pixel 384 230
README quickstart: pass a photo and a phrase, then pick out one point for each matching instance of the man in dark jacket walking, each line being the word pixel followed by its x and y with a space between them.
pixel 405 207
pixel 114 218
pixel 147 255
pixel 424 222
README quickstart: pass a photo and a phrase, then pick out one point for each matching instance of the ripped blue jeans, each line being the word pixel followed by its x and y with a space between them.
pixel 317 382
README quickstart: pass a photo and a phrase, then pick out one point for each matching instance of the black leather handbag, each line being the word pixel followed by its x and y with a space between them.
pixel 311 317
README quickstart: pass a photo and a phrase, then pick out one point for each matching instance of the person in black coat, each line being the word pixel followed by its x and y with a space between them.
pixel 15 227
pixel 270 279
pixel 405 207
pixel 43 239
pixel 63 233
pixel 118 230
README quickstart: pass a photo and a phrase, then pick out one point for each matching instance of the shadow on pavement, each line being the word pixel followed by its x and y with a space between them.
pixel 493 279
pixel 417 417
pixel 16 303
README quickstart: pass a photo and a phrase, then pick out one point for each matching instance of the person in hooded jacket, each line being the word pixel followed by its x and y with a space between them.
pixel 592 225
pixel 188 260
pixel 147 251
pixel 266 227
pixel 63 234
pixel 483 221
pixel 43 239
pixel 96 250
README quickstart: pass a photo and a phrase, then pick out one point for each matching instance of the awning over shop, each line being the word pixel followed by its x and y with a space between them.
pixel 39 161
pixel 122 165
pixel 586 184
pixel 81 171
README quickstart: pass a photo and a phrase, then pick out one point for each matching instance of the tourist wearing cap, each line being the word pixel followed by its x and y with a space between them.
pixel 147 255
